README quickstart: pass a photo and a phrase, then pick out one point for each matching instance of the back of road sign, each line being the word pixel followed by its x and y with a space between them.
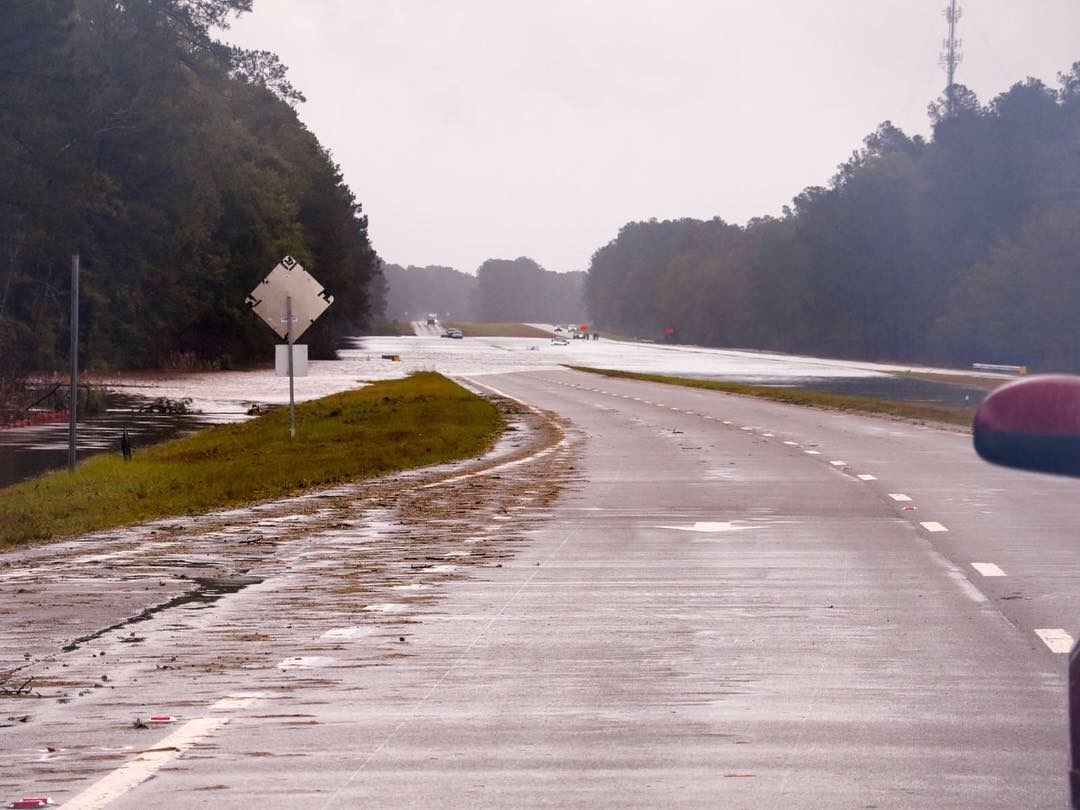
pixel 281 360
pixel 289 278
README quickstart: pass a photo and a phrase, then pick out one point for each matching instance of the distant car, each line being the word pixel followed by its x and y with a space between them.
pixel 432 319
pixel 558 328
pixel 456 334
pixel 560 342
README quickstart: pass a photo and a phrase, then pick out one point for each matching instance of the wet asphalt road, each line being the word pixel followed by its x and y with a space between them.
pixel 669 610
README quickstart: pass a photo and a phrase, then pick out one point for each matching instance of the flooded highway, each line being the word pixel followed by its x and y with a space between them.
pixel 223 396
pixel 643 595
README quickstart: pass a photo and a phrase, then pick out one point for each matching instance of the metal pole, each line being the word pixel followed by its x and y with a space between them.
pixel 289 338
pixel 1074 726
pixel 73 396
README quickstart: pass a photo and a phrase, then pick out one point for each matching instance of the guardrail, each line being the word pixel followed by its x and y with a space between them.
pixel 1021 370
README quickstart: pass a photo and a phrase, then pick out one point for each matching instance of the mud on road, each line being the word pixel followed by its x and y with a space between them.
pixel 167 617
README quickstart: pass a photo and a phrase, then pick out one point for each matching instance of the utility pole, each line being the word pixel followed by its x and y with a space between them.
pixel 951 57
pixel 73 396
pixel 289 341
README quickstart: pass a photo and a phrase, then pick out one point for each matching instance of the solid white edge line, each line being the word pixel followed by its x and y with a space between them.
pixel 988 569
pixel 136 771
pixel 546 451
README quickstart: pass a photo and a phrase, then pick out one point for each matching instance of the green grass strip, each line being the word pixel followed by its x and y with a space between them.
pixel 948 414
pixel 496 329
pixel 388 426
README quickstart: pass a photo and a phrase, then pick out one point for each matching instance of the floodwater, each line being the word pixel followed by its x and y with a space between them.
pixel 226 395
pixel 29 451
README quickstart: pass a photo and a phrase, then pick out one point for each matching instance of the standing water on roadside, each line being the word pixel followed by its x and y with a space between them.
pixel 26 452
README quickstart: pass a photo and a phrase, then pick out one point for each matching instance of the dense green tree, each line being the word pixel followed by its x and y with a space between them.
pixel 177 168
pixel 956 249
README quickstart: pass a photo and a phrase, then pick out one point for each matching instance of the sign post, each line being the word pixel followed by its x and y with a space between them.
pixel 289 342
pixel 289 299
pixel 73 396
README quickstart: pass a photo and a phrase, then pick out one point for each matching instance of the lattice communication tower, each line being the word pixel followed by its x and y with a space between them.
pixel 951 57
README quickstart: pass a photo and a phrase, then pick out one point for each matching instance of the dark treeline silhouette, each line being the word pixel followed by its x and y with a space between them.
pixel 502 290
pixel 960 249
pixel 412 292
pixel 178 169
pixel 521 290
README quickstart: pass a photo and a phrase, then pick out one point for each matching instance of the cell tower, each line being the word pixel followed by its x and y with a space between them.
pixel 951 56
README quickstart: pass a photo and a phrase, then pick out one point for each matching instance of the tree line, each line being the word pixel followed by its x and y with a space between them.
pixel 517 290
pixel 176 166
pixel 963 247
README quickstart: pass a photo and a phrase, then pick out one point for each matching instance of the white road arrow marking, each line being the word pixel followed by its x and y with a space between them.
pixel 1056 639
pixel 708 527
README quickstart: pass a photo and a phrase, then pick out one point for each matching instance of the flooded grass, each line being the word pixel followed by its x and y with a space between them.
pixel 497 329
pixel 919 411
pixel 983 383
pixel 393 425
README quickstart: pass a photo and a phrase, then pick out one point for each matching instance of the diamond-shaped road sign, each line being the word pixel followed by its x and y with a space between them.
pixel 289 278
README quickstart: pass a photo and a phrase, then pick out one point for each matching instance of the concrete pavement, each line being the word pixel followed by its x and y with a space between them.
pixel 716 611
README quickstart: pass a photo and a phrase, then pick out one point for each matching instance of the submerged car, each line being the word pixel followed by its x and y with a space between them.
pixel 456 334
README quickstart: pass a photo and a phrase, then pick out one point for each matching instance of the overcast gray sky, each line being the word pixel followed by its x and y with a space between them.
pixel 475 129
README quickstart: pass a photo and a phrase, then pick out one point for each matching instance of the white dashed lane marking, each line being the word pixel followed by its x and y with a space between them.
pixel 897 496
pixel 988 569
pixel 933 526
pixel 134 772
pixel 838 463
pixel 812 452
pixel 867 477
pixel 792 444
pixel 1056 639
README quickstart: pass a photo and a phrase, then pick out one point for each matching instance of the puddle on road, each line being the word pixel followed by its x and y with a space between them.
pixel 205 593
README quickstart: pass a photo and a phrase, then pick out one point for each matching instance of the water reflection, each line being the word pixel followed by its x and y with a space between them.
pixel 29 451
pixel 225 396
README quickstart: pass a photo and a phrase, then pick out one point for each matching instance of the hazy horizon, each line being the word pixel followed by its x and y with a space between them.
pixel 482 129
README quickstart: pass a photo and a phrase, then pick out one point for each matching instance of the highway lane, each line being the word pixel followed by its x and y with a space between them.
pixel 710 614
pixel 710 617
pixel 1017 527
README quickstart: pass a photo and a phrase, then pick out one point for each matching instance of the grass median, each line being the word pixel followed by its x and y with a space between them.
pixel 389 426
pixel 497 329
pixel 917 411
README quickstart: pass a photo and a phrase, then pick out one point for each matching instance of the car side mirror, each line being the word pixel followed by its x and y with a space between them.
pixel 1032 424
